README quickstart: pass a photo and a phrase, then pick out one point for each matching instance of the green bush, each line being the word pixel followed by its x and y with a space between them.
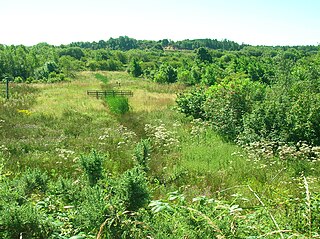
pixel 191 102
pixel 35 181
pixel 90 209
pixel 117 104
pixel 286 115
pixel 142 154
pixel 134 68
pixel 24 222
pixel 66 189
pixel 228 102
pixel 166 74
pixel 93 167
pixel 132 189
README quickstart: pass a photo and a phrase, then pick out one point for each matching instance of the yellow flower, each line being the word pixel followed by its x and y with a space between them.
pixel 25 112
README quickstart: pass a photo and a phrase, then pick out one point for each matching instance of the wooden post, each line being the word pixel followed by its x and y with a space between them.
pixel 7 88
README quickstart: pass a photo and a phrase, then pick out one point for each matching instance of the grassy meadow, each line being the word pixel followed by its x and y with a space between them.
pixel 70 168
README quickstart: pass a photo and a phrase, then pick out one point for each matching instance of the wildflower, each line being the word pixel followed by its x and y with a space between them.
pixel 24 112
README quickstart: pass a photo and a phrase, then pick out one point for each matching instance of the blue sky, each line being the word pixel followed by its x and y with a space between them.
pixel 256 22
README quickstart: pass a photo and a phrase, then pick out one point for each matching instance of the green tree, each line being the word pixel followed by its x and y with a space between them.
pixel 75 52
pixel 135 68
pixel 203 55
pixel 166 74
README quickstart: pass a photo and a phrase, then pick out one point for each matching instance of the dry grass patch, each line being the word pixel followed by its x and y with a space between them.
pixel 149 101
pixel 55 99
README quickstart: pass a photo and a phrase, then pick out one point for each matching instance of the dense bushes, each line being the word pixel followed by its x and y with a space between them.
pixel 290 115
pixel 244 110
pixel 192 102
pixel 228 102
pixel 93 167
pixel 254 100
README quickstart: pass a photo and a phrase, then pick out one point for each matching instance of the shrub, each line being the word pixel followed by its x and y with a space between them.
pixel 191 103
pixel 228 102
pixel 286 115
pixel 166 74
pixel 142 154
pixel 92 165
pixel 118 105
pixel 24 222
pixel 132 189
pixel 91 209
pixel 35 181
pixel 134 68
pixel 267 120
pixel 66 189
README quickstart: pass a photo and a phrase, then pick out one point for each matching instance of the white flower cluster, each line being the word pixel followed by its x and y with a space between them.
pixel 120 136
pixel 199 127
pixel 268 150
pixel 261 150
pixel 64 153
pixel 161 137
pixel 300 151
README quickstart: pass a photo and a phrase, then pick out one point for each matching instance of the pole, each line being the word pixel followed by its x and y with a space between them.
pixel 7 88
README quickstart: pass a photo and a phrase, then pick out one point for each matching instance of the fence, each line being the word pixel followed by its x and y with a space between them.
pixel 104 93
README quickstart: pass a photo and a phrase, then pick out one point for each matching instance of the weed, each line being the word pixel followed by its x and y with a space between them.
pixel 142 154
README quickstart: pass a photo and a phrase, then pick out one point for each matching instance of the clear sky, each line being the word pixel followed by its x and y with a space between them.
pixel 256 22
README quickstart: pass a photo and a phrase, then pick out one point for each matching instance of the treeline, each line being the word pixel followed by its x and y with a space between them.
pixel 125 43
pixel 48 63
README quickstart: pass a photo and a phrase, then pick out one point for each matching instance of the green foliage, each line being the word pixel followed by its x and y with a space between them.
pixel 75 52
pixel 227 103
pixel 92 164
pixel 118 104
pixel 135 68
pixel 192 102
pixel 142 154
pixel 203 55
pixel 102 78
pixel 70 65
pixel 34 181
pixel 24 222
pixel 91 209
pixel 132 189
pixel 268 97
pixel 165 74
pixel 285 115
pixel 49 71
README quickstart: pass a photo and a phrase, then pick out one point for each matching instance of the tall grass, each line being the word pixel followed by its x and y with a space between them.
pixel 65 96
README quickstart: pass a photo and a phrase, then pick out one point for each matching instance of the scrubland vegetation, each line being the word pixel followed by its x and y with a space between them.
pixel 219 140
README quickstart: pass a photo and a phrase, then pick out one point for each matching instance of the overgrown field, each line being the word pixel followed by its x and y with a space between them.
pixel 71 167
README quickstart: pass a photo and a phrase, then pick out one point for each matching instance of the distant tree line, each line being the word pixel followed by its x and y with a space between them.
pixel 190 61
pixel 125 43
